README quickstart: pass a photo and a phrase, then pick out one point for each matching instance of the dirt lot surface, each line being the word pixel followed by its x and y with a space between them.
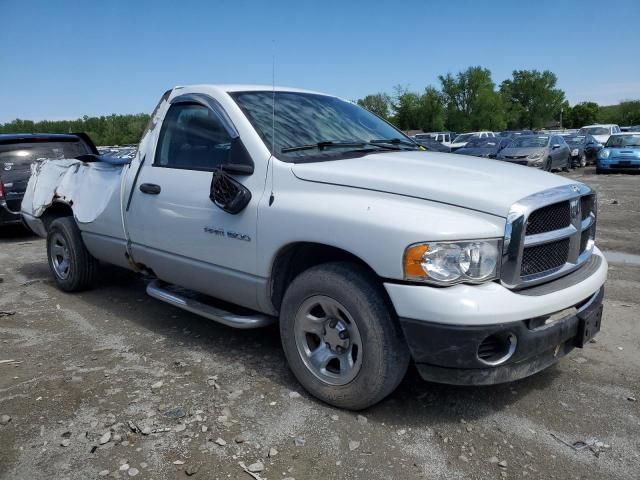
pixel 113 383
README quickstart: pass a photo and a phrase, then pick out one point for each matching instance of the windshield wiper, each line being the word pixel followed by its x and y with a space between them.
pixel 383 143
pixel 323 145
pixel 393 141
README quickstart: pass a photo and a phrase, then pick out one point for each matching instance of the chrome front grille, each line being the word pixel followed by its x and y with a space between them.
pixel 547 235
pixel 544 258
pixel 547 219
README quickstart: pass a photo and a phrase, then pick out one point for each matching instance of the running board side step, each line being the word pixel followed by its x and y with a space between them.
pixel 155 289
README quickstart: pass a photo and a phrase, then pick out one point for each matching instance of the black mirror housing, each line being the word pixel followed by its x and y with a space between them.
pixel 227 193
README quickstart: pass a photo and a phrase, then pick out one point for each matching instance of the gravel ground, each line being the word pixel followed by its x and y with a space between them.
pixel 113 383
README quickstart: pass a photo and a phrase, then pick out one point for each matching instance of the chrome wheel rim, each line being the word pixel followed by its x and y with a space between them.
pixel 328 340
pixel 60 257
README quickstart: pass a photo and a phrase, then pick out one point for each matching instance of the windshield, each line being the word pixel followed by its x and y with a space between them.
pixel 624 141
pixel 575 140
pixel 463 138
pixel 28 152
pixel 482 142
pixel 424 136
pixel 306 119
pixel 530 141
pixel 594 131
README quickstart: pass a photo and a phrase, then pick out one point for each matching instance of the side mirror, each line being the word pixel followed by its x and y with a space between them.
pixel 227 193
pixel 555 146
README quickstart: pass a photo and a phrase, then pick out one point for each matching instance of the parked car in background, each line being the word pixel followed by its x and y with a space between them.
pixel 19 151
pixel 444 138
pixel 548 152
pixel 584 149
pixel 484 147
pixel 430 144
pixel 462 139
pixel 515 133
pixel 621 153
pixel 600 132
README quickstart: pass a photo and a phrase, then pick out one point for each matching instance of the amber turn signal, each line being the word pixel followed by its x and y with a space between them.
pixel 413 261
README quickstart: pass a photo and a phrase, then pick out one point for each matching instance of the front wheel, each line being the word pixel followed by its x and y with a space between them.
pixel 73 267
pixel 547 165
pixel 567 164
pixel 340 337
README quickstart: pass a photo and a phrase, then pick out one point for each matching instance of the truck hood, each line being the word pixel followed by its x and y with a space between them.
pixel 489 186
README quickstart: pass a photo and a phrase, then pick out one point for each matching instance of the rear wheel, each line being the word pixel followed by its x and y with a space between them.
pixel 73 267
pixel 340 337
pixel 567 164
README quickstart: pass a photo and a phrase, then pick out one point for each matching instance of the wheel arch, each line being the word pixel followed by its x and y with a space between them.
pixel 294 258
pixel 56 210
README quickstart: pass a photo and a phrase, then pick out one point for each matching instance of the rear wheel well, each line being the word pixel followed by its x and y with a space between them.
pixel 56 210
pixel 294 259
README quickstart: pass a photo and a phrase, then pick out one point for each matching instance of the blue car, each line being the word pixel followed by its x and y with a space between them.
pixel 621 153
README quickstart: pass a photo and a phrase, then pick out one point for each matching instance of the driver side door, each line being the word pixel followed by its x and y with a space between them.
pixel 176 229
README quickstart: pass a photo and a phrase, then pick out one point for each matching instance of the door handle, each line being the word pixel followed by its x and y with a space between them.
pixel 150 188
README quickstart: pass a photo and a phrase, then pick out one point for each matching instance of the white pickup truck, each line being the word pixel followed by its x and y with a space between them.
pixel 306 210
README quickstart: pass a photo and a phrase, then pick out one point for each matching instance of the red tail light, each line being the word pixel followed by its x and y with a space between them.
pixel 1 190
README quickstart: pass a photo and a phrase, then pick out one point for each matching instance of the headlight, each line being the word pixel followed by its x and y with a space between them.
pixel 535 156
pixel 574 152
pixel 604 154
pixel 448 263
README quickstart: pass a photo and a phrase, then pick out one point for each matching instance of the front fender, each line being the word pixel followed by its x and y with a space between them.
pixel 374 226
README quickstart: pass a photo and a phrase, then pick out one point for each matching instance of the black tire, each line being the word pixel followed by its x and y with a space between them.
pixel 567 164
pixel 384 356
pixel 82 268
pixel 547 165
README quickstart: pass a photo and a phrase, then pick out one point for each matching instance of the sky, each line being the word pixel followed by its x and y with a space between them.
pixel 65 59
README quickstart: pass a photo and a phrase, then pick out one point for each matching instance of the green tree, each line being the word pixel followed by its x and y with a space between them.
pixel 471 101
pixel 406 105
pixel 379 103
pixel 583 113
pixel 532 98
pixel 629 111
pixel 105 130
pixel 431 110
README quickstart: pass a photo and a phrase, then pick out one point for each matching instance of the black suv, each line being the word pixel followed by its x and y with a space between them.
pixel 18 151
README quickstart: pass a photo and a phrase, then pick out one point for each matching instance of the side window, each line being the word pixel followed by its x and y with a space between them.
pixel 192 137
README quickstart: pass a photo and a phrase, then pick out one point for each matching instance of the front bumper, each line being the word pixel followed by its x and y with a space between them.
pixel 525 162
pixel 619 165
pixel 445 327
